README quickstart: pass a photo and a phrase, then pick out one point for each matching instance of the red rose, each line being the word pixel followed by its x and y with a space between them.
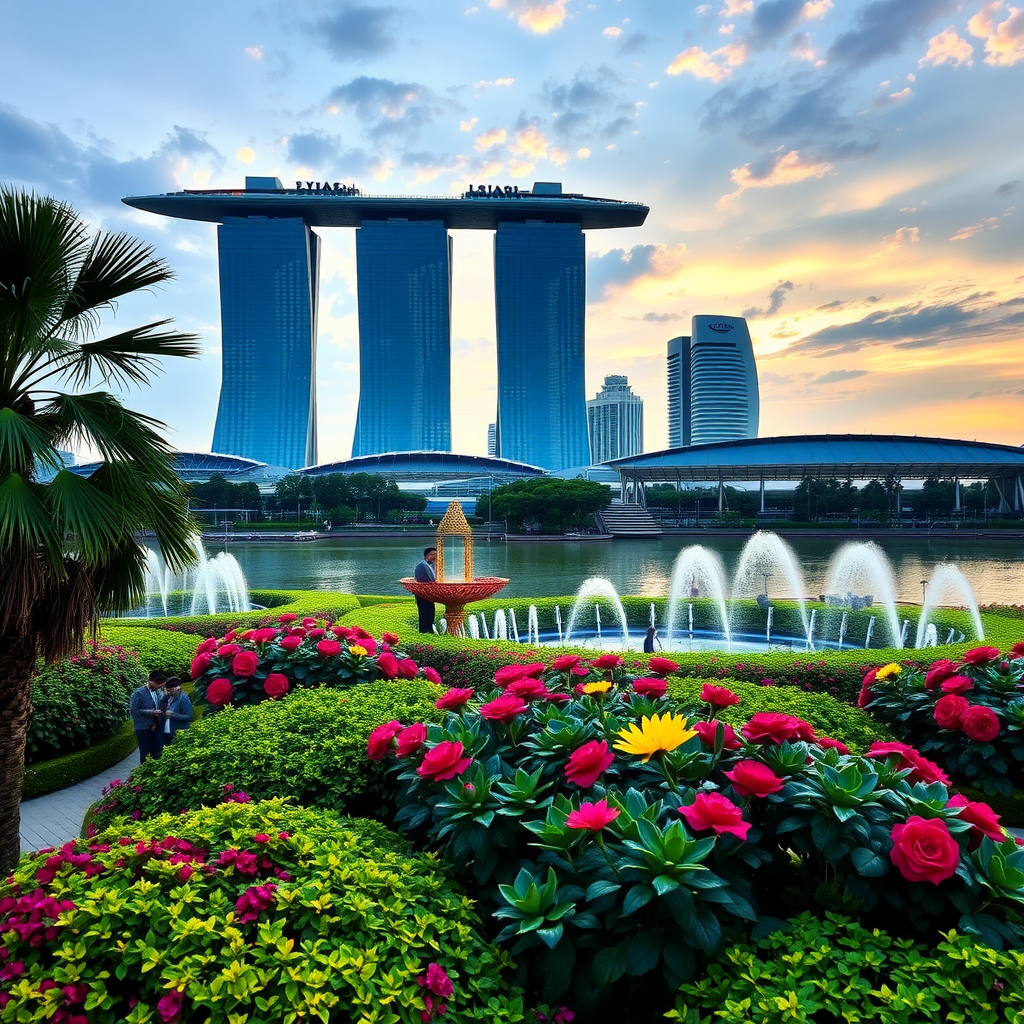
pixel 939 672
pixel 387 664
pixel 220 692
pixel 529 688
pixel 981 656
pixel 980 723
pixel 922 770
pixel 226 650
pixel 343 632
pixel 316 633
pixel 444 761
pixel 564 662
pixel 706 731
pixel 775 727
pixel 1017 651
pixel 717 812
pixel 276 685
pixel 287 617
pixel 199 664
pixel 453 698
pixel 981 816
pixel 662 666
pixel 607 661
pixel 410 739
pixel 432 674
pixel 207 645
pixel 949 711
pixel 368 644
pixel 290 643
pixel 827 743
pixel 650 687
pixel 389 638
pixel 507 673
pixel 329 648
pixel 380 739
pixel 751 778
pixel 868 681
pixel 718 696
pixel 586 763
pixel 957 684
pixel 408 669
pixel 592 816
pixel 245 663
pixel 924 851
pixel 308 621
pixel 261 636
pixel 503 708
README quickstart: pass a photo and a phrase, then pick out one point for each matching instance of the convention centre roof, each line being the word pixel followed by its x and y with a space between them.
pixel 427 466
pixel 854 456
pixel 347 207
pixel 197 467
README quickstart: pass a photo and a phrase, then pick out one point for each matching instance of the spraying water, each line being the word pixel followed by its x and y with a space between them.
pixel 558 621
pixel 593 588
pixel 864 567
pixel 842 630
pixel 810 630
pixel 931 636
pixel 512 622
pixel 697 568
pixel 474 627
pixel 500 625
pixel 903 632
pixel 768 627
pixel 768 555
pixel 532 626
pixel 948 583
pixel 871 629
pixel 214 585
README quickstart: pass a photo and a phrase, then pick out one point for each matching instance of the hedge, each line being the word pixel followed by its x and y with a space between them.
pixel 69 770
pixel 157 648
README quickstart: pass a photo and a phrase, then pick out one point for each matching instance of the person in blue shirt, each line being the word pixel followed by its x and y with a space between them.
pixel 147 718
pixel 177 709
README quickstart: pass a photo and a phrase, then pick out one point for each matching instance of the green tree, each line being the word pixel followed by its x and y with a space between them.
pixel 555 505
pixel 68 547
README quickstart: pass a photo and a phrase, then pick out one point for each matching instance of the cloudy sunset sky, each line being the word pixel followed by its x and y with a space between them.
pixel 847 175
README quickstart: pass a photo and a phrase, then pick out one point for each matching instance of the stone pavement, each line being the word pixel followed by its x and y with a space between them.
pixel 57 817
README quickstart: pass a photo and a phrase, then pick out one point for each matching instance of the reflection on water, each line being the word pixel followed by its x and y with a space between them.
pixel 995 568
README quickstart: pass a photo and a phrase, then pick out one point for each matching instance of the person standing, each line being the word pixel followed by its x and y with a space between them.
pixel 177 709
pixel 424 573
pixel 651 641
pixel 147 718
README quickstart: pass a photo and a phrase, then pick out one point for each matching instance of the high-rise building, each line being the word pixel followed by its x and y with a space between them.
pixel 268 305
pixel 539 291
pixel 404 290
pixel 492 439
pixel 679 392
pixel 724 401
pixel 615 420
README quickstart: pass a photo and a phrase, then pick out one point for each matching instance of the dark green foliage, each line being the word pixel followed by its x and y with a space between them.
pixel 78 702
pixel 70 769
pixel 550 504
pixel 344 498
pixel 304 917
pixel 219 493
pixel 825 971
pixel 309 747
pixel 158 649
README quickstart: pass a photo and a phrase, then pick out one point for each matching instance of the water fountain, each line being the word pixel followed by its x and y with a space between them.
pixel 931 636
pixel 764 556
pixel 591 590
pixel 768 628
pixel 871 629
pixel 532 626
pixel 473 627
pixel 558 621
pixel 500 625
pixel 213 585
pixel 810 630
pixel 697 568
pixel 842 632
pixel 513 624
pixel 864 567
pixel 947 581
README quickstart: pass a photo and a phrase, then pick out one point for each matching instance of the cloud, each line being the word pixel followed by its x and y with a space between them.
pixel 1007 188
pixel 619 268
pixel 997 392
pixel 539 18
pixel 246 155
pixel 254 52
pixel 900 237
pixel 660 318
pixel 530 142
pixel 716 66
pixel 612 32
pixel 355 31
pixel 883 26
pixel 391 109
pixel 786 169
pixel 734 8
pixel 776 298
pixel 987 224
pixel 837 377
pixel 468 125
pixel 592 104
pixel 488 139
pixel 318 150
pixel 1004 43
pixel 948 48
pixel 773 19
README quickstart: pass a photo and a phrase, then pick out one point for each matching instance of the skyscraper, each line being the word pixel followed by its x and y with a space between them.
pixel 615 420
pixel 404 289
pixel 724 399
pixel 492 439
pixel 679 392
pixel 539 291
pixel 268 288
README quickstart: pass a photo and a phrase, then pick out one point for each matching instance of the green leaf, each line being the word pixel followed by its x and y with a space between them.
pixel 609 965
pixel 640 895
pixel 601 887
pixel 642 953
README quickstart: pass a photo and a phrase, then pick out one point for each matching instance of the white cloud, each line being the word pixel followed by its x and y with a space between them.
pixel 490 138
pixel 948 48
pixel 816 9
pixel 788 169
pixel 582 153
pixel 901 237
pixel 715 66
pixel 539 18
pixel 468 126
pixel 612 32
pixel 246 155
pixel 734 8
pixel 520 168
pixel 254 52
pixel 530 142
pixel 504 82
pixel 983 225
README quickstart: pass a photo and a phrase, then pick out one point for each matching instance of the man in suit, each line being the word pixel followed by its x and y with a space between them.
pixel 424 573
pixel 147 718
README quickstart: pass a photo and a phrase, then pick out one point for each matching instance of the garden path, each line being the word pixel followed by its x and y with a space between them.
pixel 57 817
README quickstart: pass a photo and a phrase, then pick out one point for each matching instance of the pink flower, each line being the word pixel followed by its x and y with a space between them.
pixel 245 663
pixel 432 674
pixel 276 685
pixel 529 688
pixel 922 770
pixel 957 684
pixel 564 662
pixel 751 778
pixel 718 696
pixel 220 692
pixel 261 636
pixel 227 650
pixel 662 666
pixel 981 816
pixel 444 761
pixel 308 622
pixel 650 687
pixel 408 669
pixel 949 711
pixel 924 851
pixel 507 673
pixel 389 638
pixel 329 648
pixel 981 656
pixel 938 673
pixel 169 1007
pixel 199 664
pixel 253 901
pixel 503 708
pixel 290 643
pixel 607 661
pixel 207 645
pixel 980 723
pixel 1017 651
pixel 592 816
pixel 586 763
pixel 387 664
pixel 287 617
pixel 368 644
pixel 410 739
pixel 706 732
pixel 827 743
pixel 775 727
pixel 716 812
pixel 436 981
pixel 380 739
pixel 453 698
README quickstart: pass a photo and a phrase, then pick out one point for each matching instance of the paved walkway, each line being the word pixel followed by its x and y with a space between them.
pixel 57 817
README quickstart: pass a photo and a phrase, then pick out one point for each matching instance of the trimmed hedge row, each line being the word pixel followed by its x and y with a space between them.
pixel 69 770
pixel 157 648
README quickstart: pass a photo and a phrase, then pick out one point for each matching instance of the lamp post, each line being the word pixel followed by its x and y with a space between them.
pixel 767 577
pixel 924 591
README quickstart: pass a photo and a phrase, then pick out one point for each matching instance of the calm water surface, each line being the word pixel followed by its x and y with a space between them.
pixel 995 568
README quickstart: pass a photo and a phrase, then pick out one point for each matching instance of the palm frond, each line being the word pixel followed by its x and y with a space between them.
pixel 94 521
pixel 25 522
pixel 131 357
pixel 24 444
pixel 120 583
pixel 66 613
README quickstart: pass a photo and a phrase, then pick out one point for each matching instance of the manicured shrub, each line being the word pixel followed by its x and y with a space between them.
pixel 70 769
pixel 257 913
pixel 80 701
pixel 618 840
pixel 823 971
pixel 158 649
pixel 309 747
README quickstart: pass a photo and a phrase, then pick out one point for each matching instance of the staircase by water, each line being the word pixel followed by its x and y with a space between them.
pixel 622 520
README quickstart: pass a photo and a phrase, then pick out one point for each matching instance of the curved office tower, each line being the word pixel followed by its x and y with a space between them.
pixel 724 402
pixel 679 392
pixel 268 299
pixel 405 297
pixel 539 298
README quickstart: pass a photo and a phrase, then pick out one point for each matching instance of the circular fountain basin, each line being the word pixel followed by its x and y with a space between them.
pixel 687 642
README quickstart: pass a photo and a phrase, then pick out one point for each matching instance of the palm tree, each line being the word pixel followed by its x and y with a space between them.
pixel 67 545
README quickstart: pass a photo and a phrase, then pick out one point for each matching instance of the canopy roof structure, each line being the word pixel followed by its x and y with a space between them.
pixel 427 466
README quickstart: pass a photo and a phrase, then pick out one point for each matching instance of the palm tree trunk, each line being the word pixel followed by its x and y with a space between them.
pixel 17 665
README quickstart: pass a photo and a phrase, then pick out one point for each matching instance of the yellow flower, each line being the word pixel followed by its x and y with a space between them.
pixel 602 687
pixel 356 651
pixel 892 669
pixel 657 733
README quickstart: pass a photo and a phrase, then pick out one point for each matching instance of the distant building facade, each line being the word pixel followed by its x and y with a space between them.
pixel 724 397
pixel 679 392
pixel 492 440
pixel 615 421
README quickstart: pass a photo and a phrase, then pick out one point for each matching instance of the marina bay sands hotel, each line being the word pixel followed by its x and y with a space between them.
pixel 269 283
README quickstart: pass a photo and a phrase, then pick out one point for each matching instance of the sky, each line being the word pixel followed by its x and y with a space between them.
pixel 847 175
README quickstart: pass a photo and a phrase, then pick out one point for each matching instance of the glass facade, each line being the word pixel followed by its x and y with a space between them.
pixel 615 419
pixel 724 400
pixel 679 392
pixel 404 289
pixel 268 306
pixel 539 291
